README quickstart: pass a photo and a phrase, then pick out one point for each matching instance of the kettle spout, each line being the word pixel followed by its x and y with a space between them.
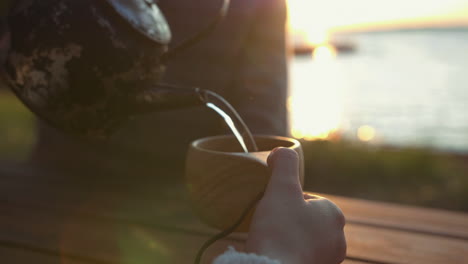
pixel 165 97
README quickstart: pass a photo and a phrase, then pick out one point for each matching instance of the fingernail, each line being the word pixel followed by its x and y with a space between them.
pixel 275 149
pixel 271 154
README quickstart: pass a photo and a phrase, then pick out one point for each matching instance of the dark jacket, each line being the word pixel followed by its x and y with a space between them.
pixel 244 60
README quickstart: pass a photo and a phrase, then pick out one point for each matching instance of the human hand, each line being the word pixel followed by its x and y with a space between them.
pixel 291 226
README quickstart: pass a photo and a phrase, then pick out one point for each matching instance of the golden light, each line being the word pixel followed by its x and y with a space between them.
pixel 316 18
pixel 324 52
pixel 314 119
pixel 366 133
pixel 304 22
pixel 315 104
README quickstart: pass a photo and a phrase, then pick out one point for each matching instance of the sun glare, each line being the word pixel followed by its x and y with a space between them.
pixel 315 117
pixel 314 19
pixel 315 110
pixel 324 52
pixel 315 104
pixel 366 133
pixel 305 25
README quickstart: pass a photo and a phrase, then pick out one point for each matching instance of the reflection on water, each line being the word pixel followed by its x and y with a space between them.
pixel 399 88
pixel 315 106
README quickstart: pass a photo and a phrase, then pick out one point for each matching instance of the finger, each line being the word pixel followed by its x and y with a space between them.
pixel 284 180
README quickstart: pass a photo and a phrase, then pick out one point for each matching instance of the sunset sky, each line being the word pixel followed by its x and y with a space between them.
pixel 312 21
pixel 318 16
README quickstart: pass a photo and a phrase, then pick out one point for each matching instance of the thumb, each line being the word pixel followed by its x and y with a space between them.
pixel 284 181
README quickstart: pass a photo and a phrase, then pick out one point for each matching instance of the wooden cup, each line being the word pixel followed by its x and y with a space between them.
pixel 223 181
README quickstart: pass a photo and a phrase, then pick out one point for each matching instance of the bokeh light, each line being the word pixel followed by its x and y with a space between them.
pixel 366 133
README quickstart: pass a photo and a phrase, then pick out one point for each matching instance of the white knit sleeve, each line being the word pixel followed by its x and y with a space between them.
pixel 231 256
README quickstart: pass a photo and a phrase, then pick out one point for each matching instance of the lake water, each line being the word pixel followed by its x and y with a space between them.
pixel 405 88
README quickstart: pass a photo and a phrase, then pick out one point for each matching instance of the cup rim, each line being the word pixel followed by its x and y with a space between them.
pixel 196 143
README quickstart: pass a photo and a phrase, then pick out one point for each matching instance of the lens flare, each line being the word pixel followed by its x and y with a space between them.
pixel 324 52
pixel 366 133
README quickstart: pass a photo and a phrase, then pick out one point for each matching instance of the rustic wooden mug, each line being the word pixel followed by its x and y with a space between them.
pixel 223 180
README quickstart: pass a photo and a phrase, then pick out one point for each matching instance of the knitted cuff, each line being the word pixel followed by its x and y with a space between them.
pixel 231 256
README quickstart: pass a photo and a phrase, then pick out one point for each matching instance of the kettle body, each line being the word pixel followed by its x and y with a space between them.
pixel 86 66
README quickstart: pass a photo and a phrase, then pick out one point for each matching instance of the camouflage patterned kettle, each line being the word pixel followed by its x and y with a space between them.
pixel 85 66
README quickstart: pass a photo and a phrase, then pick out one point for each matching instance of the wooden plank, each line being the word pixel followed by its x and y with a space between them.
pixel 109 241
pixel 19 256
pixel 402 217
pixel 100 241
pixel 384 245
pixel 374 238
pixel 142 202
pixel 81 240
pixel 381 245
pixel 137 200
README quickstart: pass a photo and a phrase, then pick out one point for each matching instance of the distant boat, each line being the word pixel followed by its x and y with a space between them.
pixel 341 47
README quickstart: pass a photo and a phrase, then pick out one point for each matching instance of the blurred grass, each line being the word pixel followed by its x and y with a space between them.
pixel 420 177
pixel 17 127
pixel 404 175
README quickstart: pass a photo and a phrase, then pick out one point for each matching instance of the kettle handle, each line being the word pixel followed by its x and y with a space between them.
pixel 199 35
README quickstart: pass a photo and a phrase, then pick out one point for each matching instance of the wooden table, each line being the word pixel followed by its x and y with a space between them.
pixel 47 218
